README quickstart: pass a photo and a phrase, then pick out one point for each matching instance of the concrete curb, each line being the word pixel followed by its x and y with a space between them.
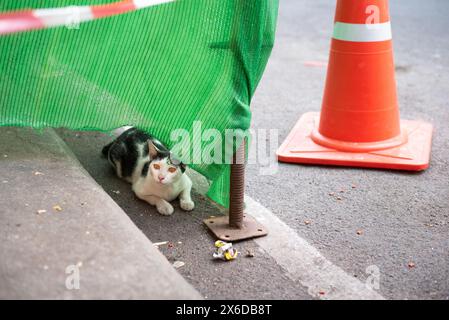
pixel 82 231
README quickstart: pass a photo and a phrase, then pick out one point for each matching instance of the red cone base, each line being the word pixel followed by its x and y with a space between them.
pixel 412 154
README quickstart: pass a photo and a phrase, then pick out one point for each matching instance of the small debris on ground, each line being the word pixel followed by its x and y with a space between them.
pixel 307 222
pixel 41 211
pixel 411 265
pixel 116 191
pixel 249 253
pixel 37 173
pixel 170 245
pixel 353 186
pixel 322 293
pixel 359 232
pixel 224 251
pixel 157 244
pixel 57 208
pixel 339 198
pixel 178 264
pixel 332 194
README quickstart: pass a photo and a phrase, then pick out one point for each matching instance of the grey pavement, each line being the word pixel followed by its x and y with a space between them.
pixel 404 217
pixel 396 221
pixel 189 241
pixel 81 233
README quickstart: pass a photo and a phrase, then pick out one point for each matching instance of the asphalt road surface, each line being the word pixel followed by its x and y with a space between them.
pixel 403 217
pixel 397 222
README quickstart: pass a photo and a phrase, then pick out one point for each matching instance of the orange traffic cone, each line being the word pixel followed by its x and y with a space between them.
pixel 359 123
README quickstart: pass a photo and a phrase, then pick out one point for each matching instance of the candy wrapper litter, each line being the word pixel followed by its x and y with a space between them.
pixel 225 251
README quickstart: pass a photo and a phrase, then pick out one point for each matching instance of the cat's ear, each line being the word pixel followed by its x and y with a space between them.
pixel 152 149
pixel 183 167
pixel 177 162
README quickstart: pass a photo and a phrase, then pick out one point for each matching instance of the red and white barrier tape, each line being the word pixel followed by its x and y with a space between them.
pixel 18 21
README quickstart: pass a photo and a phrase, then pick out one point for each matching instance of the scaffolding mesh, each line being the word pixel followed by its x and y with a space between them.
pixel 160 68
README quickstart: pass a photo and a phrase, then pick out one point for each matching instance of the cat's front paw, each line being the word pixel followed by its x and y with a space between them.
pixel 165 208
pixel 187 205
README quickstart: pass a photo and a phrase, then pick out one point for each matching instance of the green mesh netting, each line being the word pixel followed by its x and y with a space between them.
pixel 160 69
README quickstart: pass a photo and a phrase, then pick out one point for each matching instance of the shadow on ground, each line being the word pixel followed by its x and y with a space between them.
pixel 188 239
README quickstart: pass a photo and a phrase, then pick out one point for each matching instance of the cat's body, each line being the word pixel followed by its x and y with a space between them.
pixel 156 176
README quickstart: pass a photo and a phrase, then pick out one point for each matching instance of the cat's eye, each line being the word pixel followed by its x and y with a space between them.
pixel 156 166
pixel 172 169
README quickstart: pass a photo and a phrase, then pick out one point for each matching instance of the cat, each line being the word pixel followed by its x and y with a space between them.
pixel 156 175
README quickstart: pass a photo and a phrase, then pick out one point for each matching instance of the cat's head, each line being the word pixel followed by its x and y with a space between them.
pixel 164 167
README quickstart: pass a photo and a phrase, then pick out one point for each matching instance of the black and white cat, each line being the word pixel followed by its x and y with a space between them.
pixel 157 177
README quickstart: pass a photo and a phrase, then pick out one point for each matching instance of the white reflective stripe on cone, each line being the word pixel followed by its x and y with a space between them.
pixel 148 3
pixel 362 32
pixel 64 16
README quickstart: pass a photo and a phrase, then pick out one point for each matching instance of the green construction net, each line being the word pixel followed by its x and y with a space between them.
pixel 161 68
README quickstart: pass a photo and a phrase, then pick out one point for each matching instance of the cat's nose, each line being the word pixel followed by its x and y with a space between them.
pixel 161 178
